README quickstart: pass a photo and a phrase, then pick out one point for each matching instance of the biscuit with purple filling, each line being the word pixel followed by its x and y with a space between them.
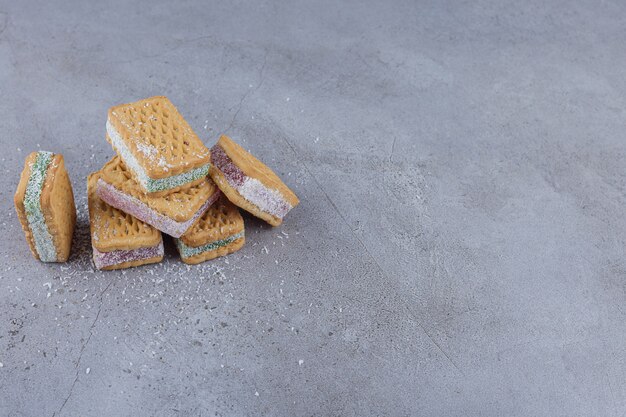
pixel 250 184
pixel 118 239
pixel 173 214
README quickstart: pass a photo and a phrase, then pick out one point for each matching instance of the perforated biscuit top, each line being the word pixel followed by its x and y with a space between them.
pixel 254 168
pixel 112 229
pixel 180 205
pixel 220 221
pixel 159 137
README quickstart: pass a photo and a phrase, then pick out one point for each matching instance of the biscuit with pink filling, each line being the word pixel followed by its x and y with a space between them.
pixel 250 184
pixel 173 214
pixel 118 239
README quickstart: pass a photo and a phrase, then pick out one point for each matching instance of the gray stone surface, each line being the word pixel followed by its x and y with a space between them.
pixel 459 249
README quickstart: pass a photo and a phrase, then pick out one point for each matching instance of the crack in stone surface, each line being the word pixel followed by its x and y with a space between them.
pixel 380 268
pixel 82 349
pixel 5 21
pixel 247 93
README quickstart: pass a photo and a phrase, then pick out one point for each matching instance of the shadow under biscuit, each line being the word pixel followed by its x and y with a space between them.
pixel 171 253
pixel 253 222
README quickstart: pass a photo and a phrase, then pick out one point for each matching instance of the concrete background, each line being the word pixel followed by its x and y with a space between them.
pixel 459 249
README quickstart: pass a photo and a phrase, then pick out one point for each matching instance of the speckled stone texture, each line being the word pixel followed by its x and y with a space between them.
pixel 459 245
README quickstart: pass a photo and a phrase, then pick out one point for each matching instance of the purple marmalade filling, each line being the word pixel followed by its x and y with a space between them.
pixel 116 257
pixel 266 199
pixel 233 174
pixel 131 205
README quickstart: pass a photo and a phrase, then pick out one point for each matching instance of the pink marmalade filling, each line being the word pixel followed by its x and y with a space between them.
pixel 268 200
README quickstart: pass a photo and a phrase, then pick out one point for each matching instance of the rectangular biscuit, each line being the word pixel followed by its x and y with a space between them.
pixel 44 202
pixel 172 214
pixel 157 144
pixel 218 232
pixel 119 240
pixel 249 183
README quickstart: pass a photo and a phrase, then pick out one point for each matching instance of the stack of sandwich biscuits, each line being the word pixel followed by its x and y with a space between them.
pixel 163 179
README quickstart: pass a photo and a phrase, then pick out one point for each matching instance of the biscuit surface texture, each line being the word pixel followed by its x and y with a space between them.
pixel 218 232
pixel 118 239
pixel 157 144
pixel 112 229
pixel 179 205
pixel 220 221
pixel 61 213
pixel 172 214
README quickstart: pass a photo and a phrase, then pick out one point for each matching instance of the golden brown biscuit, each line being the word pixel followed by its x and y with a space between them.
pixel 44 202
pixel 119 240
pixel 249 183
pixel 218 232
pixel 157 144
pixel 173 214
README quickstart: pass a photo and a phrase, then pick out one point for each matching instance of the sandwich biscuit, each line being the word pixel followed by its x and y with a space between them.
pixel 119 240
pixel 219 231
pixel 44 202
pixel 157 145
pixel 250 184
pixel 173 214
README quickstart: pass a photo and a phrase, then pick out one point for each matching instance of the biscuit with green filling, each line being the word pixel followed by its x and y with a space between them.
pixel 218 232
pixel 44 202
pixel 157 145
